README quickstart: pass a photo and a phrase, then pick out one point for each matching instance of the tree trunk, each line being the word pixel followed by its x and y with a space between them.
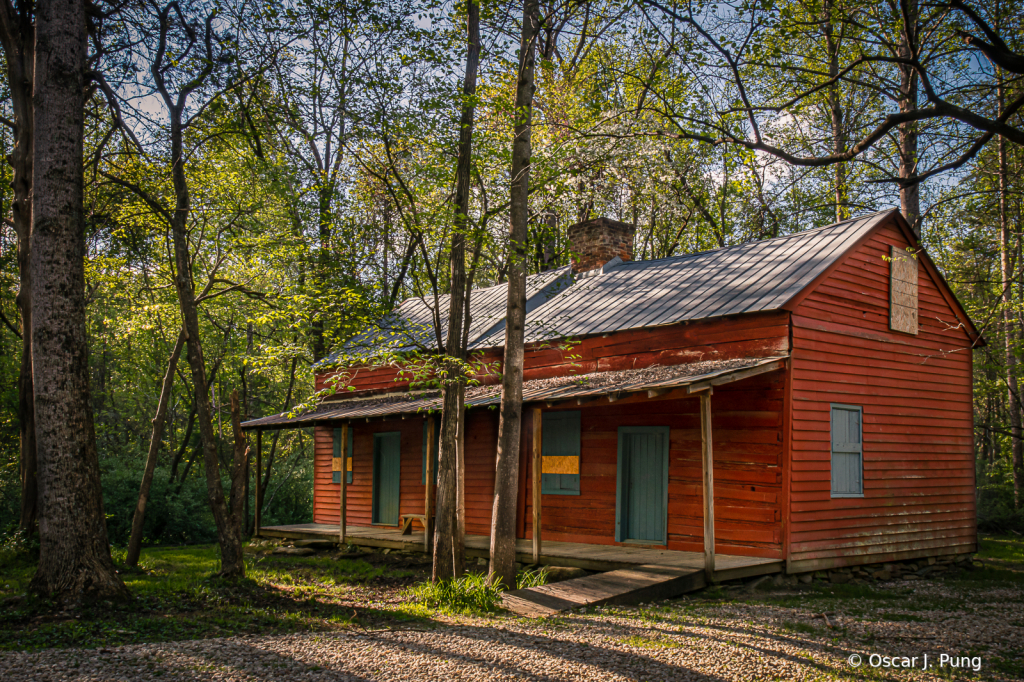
pixel 835 106
pixel 17 35
pixel 240 457
pixel 448 554
pixel 1006 268
pixel 910 194
pixel 155 437
pixel 503 515
pixel 74 555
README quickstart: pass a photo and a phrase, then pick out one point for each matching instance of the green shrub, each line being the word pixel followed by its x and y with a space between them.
pixel 995 508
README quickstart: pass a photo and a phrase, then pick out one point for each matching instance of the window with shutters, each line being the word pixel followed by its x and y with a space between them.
pixel 437 448
pixel 847 451
pixel 902 290
pixel 560 453
pixel 337 463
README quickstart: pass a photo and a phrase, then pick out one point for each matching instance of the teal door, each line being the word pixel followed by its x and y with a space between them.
pixel 641 509
pixel 387 464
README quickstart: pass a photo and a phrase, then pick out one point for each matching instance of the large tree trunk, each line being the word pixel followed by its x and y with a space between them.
pixel 155 437
pixel 448 553
pixel 1006 268
pixel 17 34
pixel 910 194
pixel 74 556
pixel 503 515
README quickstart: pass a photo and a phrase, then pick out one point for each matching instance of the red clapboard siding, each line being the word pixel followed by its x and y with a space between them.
pixel 747 440
pixel 917 426
pixel 718 339
pixel 481 439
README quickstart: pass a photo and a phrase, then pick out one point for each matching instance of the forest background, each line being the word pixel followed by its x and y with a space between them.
pixel 320 150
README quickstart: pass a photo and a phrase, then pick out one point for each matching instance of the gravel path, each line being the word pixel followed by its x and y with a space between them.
pixel 686 640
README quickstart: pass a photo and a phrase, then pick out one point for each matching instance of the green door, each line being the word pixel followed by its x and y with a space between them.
pixel 641 509
pixel 387 463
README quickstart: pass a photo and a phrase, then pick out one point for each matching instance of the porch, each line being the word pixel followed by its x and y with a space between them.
pixel 591 557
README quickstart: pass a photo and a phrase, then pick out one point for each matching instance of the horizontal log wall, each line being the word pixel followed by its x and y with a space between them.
pixel 915 391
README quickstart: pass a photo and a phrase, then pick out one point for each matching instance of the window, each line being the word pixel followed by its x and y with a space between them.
pixel 847 452
pixel 336 465
pixel 902 291
pixel 437 447
pixel 560 451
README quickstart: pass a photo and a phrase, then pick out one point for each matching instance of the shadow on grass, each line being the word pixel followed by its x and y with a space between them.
pixel 177 596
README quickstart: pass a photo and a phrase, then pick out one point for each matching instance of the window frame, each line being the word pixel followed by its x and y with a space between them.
pixel 832 452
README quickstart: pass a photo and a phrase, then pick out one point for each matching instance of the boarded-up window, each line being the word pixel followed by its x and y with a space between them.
pixel 337 463
pixel 560 450
pixel 847 452
pixel 902 291
pixel 437 449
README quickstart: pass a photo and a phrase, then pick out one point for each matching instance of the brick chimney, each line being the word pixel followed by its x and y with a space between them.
pixel 595 242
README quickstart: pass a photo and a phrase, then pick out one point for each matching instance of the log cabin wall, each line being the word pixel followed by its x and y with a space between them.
pixel 915 392
pixel 747 423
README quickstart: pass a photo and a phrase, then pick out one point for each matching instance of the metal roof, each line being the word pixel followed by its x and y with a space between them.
pixel 656 379
pixel 411 325
pixel 752 277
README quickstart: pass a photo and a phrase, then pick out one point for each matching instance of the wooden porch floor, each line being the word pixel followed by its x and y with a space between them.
pixel 590 557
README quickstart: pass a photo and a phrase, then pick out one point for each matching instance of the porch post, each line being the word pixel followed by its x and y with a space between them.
pixel 536 472
pixel 429 488
pixel 709 484
pixel 343 493
pixel 259 487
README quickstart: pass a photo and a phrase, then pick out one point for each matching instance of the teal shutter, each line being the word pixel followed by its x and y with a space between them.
pixel 847 452
pixel 560 435
pixel 336 475
pixel 437 449
pixel 350 452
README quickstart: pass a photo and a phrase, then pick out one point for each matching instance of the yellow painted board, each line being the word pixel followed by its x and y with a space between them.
pixel 560 465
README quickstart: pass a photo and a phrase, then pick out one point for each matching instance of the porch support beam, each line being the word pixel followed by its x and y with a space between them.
pixel 259 487
pixel 536 472
pixel 429 487
pixel 708 465
pixel 343 493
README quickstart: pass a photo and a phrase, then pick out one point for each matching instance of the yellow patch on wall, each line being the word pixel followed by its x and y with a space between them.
pixel 560 465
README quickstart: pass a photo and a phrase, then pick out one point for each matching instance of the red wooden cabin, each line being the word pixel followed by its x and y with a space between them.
pixel 835 363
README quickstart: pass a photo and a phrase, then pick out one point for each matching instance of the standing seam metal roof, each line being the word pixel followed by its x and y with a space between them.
pixel 752 277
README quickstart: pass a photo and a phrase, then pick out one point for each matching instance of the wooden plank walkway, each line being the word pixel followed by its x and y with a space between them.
pixel 623 586
pixel 588 556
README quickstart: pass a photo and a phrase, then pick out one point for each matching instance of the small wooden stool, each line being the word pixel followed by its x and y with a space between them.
pixel 405 520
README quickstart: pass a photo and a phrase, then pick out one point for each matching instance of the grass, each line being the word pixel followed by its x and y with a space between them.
pixel 470 594
pixel 177 596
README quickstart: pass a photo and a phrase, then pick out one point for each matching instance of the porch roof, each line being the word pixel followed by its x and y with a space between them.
pixel 656 380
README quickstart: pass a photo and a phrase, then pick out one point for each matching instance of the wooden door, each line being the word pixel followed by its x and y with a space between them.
pixel 387 464
pixel 641 508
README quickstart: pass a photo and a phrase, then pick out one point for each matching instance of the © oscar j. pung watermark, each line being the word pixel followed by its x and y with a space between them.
pixel 926 661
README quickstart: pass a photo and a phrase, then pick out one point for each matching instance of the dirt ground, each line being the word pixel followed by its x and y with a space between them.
pixel 969 624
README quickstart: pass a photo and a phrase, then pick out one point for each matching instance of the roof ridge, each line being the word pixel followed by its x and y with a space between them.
pixel 801 233
pixel 780 238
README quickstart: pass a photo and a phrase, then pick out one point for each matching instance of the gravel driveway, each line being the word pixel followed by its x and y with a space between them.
pixel 690 639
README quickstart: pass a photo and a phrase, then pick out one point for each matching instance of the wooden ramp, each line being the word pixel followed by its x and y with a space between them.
pixel 623 586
